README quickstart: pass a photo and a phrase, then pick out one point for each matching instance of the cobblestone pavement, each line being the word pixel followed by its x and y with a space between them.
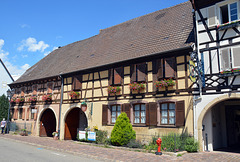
pixel 116 154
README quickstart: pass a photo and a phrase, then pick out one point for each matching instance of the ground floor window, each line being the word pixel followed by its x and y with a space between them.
pixel 32 113
pixel 139 113
pixel 115 112
pixel 167 113
pixel 20 113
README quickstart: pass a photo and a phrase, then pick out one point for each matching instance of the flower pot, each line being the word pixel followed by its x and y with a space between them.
pixel 161 89
pixel 135 91
pixel 172 87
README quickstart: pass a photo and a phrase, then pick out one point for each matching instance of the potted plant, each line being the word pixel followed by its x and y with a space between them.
pixel 74 94
pixel 137 87
pixel 47 97
pixel 162 84
pixel 13 99
pixel 23 132
pixel 32 99
pixel 19 100
pixel 114 90
pixel 55 135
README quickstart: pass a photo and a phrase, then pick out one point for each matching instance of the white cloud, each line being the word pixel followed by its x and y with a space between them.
pixel 23 56
pixel 24 26
pixel 32 45
pixel 46 53
pixel 3 54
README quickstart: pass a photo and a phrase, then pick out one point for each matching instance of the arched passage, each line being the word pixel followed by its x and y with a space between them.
pixel 75 120
pixel 219 124
pixel 47 123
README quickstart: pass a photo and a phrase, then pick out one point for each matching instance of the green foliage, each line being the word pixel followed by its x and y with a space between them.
pixel 191 145
pixel 102 137
pixel 122 132
pixel 4 106
pixel 178 155
pixel 134 144
pixel 152 145
pixel 168 142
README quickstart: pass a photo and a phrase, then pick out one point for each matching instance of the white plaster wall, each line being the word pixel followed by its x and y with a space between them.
pixel 207 122
pixel 4 80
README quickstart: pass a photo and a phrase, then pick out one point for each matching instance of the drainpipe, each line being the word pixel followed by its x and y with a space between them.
pixel 60 106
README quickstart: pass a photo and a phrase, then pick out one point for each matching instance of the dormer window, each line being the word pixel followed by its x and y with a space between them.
pixel 229 12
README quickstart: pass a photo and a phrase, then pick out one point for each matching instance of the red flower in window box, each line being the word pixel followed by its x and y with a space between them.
pixel 32 99
pixel 18 100
pixel 13 99
pixel 74 94
pixel 165 83
pixel 47 97
pixel 114 90
pixel 137 86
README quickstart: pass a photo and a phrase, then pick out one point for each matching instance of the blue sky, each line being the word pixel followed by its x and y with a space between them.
pixel 29 30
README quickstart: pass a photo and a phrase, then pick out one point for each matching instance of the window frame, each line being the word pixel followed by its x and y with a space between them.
pixel 140 116
pixel 116 111
pixel 20 113
pixel 228 3
pixel 168 117
pixel 112 74
pixel 231 58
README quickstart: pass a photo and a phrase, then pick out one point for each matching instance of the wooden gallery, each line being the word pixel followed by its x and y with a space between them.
pixel 139 67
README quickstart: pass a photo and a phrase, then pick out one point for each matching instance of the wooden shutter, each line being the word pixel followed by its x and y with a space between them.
pixel 110 77
pixel 35 90
pixel 126 108
pixel 23 113
pixel 159 65
pixel 211 16
pixel 118 75
pixel 35 115
pixel 27 115
pixel 236 57
pixel 151 114
pixel 141 72
pixel 22 91
pixel 225 59
pixel 77 83
pixel 104 114
pixel 49 87
pixel 155 70
pixel 170 67
pixel 15 114
pixel 180 113
pixel 133 73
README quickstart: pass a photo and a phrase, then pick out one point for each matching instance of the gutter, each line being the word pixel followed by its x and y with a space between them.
pixel 60 106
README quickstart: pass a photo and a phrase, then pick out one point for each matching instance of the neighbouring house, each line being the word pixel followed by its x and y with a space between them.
pixel 5 79
pixel 217 104
pixel 139 67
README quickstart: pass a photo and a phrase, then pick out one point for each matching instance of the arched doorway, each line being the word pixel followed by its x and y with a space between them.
pixel 75 120
pixel 221 126
pixel 47 123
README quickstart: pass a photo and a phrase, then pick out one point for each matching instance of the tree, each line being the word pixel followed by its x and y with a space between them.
pixel 4 106
pixel 122 131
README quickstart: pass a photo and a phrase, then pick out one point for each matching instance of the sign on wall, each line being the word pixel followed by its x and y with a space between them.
pixel 91 136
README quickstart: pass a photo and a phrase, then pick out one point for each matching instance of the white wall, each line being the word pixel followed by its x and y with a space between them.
pixel 4 80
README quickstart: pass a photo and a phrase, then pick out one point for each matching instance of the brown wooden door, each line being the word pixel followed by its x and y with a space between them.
pixel 47 123
pixel 72 124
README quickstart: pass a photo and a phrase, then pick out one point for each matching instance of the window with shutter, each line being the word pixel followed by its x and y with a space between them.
pixel 27 114
pixel 133 73
pixel 225 59
pixel 104 114
pixel 236 57
pixel 167 112
pixel 211 16
pixel 151 114
pixel 170 67
pixel 141 72
pixel 118 76
pixel 110 76
pixel 77 83
pixel 35 90
pixel 126 108
pixel 20 113
pixel 160 68
pixel 139 112
pixel 180 113
pixel 22 91
pixel 115 112
pixel 49 88
pixel 23 113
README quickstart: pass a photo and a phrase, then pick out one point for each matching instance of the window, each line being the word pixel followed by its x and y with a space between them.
pixel 34 90
pixel 164 68
pixel 116 76
pixel 139 72
pixel 49 88
pixel 20 113
pixel 139 113
pixel 229 12
pixel 115 112
pixel 32 113
pixel 168 113
pixel 229 58
pixel 77 83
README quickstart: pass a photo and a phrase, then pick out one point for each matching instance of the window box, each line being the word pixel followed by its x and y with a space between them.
pixel 228 25
pixel 74 95
pixel 32 99
pixel 137 87
pixel 47 97
pixel 227 73
pixel 114 90
pixel 20 100
pixel 162 84
pixel 13 99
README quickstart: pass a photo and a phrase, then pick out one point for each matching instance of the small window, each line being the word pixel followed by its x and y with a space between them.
pixel 229 58
pixel 115 112
pixel 168 113
pixel 139 113
pixel 229 12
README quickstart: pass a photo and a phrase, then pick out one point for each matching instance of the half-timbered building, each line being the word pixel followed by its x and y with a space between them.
pixel 217 60
pixel 139 67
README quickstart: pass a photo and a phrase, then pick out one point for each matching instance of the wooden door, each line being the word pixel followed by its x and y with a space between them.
pixel 47 123
pixel 72 124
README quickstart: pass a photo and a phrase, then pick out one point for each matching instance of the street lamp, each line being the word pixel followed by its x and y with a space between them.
pixel 9 95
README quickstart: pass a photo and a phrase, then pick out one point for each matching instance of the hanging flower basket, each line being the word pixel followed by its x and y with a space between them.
pixel 47 97
pixel 114 90
pixel 19 100
pixel 137 87
pixel 32 99
pixel 165 83
pixel 74 94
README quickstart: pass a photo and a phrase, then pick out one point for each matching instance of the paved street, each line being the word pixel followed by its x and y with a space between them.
pixel 110 154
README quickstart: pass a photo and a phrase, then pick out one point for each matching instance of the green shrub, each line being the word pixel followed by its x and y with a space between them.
pixel 101 137
pixel 122 132
pixel 168 142
pixel 152 145
pixel 134 144
pixel 191 145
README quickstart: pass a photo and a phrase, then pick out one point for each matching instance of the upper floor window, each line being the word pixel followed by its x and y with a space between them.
pixel 49 88
pixel 139 72
pixel 164 68
pixel 115 112
pixel 34 88
pixel 229 58
pixel 229 12
pixel 116 76
pixel 139 113
pixel 168 113
pixel 77 83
